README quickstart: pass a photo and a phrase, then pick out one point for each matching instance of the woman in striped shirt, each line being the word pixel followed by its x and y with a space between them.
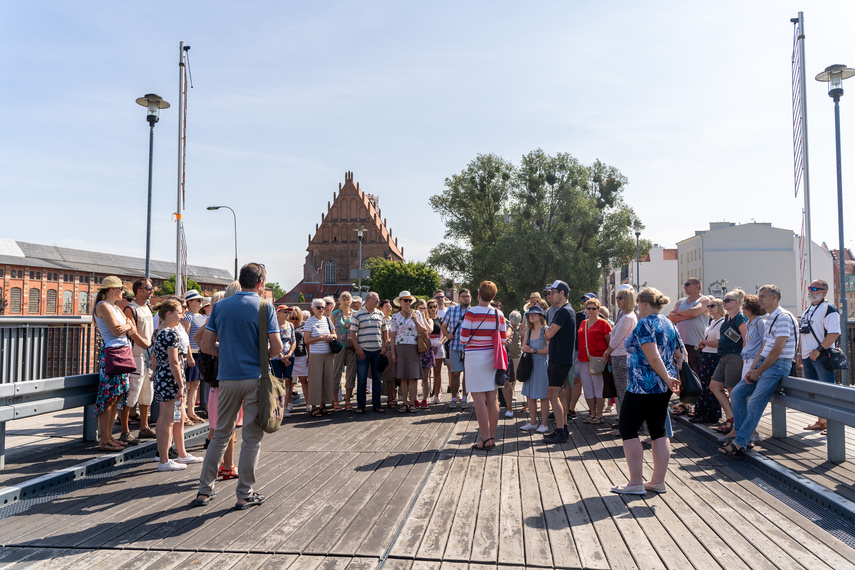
pixel 476 334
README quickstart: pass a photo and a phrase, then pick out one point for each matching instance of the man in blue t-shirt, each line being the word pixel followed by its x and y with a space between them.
pixel 562 339
pixel 234 324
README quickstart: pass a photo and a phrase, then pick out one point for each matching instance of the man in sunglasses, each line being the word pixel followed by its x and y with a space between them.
pixel 820 328
pixel 141 388
pixel 688 315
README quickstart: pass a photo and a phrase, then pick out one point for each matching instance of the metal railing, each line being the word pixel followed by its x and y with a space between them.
pixel 32 348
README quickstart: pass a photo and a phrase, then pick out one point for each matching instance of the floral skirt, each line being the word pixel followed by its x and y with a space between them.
pixel 110 387
pixel 707 407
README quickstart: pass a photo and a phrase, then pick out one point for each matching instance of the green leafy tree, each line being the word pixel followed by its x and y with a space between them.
pixel 523 226
pixel 388 278
pixel 168 286
pixel 301 298
pixel 277 290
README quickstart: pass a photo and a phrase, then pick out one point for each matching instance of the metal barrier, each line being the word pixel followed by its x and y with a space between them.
pixel 830 401
pixel 44 347
pixel 35 397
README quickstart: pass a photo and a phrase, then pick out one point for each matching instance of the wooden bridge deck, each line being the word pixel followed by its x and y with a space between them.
pixel 406 491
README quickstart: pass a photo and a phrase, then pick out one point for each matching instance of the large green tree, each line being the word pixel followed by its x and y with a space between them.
pixel 168 286
pixel 388 278
pixel 523 226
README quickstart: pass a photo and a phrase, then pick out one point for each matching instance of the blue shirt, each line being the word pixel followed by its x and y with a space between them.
pixel 655 328
pixel 453 320
pixel 235 320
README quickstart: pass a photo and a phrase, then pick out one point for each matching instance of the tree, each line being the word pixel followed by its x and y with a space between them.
pixel 168 286
pixel 388 278
pixel 523 226
pixel 277 290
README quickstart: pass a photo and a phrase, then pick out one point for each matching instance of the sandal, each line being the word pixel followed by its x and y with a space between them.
pixel 316 413
pixel 725 426
pixel 731 450
pixel 412 409
pixel 588 419
pixel 347 406
pixel 336 407
pixel 492 445
pixel 484 446
pixel 251 501
pixel 231 473
pixel 818 426
pixel 110 446
pixel 197 502
pixel 679 409
pixel 359 410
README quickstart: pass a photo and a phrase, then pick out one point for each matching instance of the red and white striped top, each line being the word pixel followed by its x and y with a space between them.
pixel 476 332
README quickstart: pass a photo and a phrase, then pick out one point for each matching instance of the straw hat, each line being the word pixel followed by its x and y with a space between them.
pixel 192 294
pixel 403 295
pixel 534 298
pixel 111 282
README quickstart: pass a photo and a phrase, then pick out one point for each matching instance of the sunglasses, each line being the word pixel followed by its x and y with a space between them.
pixel 591 309
pixel 714 305
pixel 728 300
pixel 148 288
pixel 815 289
pixel 687 284
pixel 406 300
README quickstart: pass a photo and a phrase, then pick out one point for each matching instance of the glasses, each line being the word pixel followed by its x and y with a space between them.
pixel 149 288
pixel 815 289
pixel 714 305
pixel 726 300
pixel 406 300
pixel 591 309
pixel 687 284
pixel 293 319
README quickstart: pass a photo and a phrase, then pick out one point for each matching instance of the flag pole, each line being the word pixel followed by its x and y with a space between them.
pixel 179 274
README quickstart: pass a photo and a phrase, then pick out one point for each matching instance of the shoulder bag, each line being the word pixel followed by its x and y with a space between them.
pixel 526 365
pixel 832 358
pixel 335 344
pixel 500 355
pixel 422 339
pixel 271 390
pixel 119 360
pixel 596 364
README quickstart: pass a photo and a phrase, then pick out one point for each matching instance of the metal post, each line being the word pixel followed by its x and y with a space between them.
pixel 844 309
pixel 178 222
pixel 637 263
pixel 148 210
pixel 360 267
pixel 805 143
pixel 236 255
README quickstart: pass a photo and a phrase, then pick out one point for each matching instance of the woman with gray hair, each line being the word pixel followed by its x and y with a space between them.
pixel 318 332
pixel 616 352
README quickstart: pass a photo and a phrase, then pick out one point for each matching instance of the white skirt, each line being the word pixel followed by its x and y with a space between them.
pixel 301 366
pixel 480 371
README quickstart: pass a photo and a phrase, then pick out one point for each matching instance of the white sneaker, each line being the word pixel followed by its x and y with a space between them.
pixel 170 465
pixel 286 413
pixel 509 414
pixel 437 400
pixel 188 459
pixel 453 403
pixel 289 407
pixel 464 403
pixel 542 429
pixel 529 426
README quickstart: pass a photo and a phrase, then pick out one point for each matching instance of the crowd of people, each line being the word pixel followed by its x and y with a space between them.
pixel 739 345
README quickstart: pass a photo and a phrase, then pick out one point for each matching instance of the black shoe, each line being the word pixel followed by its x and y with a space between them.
pixel 379 410
pixel 571 414
pixel 552 416
pixel 557 436
pixel 173 453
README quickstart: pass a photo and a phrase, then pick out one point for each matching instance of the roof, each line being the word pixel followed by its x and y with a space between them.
pixel 68 259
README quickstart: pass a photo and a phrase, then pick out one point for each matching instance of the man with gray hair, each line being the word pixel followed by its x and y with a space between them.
pixel 773 362
pixel 369 335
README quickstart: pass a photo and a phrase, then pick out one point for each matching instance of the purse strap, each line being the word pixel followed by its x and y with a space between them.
pixel 481 323
pixel 587 347
pixel 262 339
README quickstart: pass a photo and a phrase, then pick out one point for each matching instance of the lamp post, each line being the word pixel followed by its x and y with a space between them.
pixel 153 103
pixel 360 234
pixel 834 76
pixel 638 226
pixel 235 218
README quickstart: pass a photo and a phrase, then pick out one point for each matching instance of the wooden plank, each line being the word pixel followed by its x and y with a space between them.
pixel 306 563
pixel 226 560
pixel 510 535
pixel 459 545
pixel 588 547
pixel 410 537
pixel 536 538
pixel 398 564
pixel 425 565
pixel 362 564
pixel 141 561
pixel 564 554
pixel 435 538
pixel 485 542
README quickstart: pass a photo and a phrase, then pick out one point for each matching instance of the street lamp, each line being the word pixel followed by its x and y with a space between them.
pixel 153 103
pixel 235 218
pixel 834 76
pixel 360 233
pixel 638 226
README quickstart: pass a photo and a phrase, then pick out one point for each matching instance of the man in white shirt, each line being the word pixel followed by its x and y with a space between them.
pixel 820 327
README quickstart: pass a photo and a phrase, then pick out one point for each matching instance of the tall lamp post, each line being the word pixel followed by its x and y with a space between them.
pixel 235 218
pixel 153 103
pixel 638 226
pixel 360 234
pixel 834 76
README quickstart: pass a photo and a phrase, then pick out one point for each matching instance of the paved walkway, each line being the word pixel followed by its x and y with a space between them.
pixel 406 490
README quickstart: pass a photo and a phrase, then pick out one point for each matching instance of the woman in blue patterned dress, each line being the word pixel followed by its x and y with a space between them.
pixel 651 351
pixel 536 388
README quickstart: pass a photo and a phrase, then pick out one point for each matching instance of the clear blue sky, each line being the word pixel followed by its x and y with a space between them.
pixel 691 101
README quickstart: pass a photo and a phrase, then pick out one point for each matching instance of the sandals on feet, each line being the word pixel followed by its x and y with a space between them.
pixel 110 446
pixel 252 501
pixel 197 502
pixel 484 446
pixel 818 426
pixel 725 426
pixel 680 409
pixel 731 450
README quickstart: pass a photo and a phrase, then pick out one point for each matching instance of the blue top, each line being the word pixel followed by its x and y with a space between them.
pixel 453 319
pixel 730 339
pixel 196 321
pixel 754 342
pixel 235 320
pixel 655 328
pixel 107 337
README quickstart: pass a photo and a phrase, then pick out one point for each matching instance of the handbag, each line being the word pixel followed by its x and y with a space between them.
pixel 609 388
pixel 271 390
pixel 119 360
pixel 596 364
pixel 209 368
pixel 500 356
pixel 382 363
pixel 335 344
pixel 526 364
pixel 422 340
pixel 690 384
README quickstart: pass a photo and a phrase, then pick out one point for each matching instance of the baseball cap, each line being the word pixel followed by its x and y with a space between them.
pixel 559 285
pixel 587 296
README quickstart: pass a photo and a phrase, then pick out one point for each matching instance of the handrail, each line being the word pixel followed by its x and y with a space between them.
pixel 40 320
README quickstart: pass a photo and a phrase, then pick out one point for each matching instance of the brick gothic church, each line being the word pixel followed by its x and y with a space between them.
pixel 333 252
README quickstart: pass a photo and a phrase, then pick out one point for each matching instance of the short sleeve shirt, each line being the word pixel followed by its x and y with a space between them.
pixel 478 327
pixel 452 317
pixel 596 336
pixel 691 330
pixel 196 321
pixel 369 328
pixel 823 319
pixel 166 339
pixel 562 345
pixel 780 323
pixel 656 329
pixel 316 327
pixel 342 325
pixel 286 333
pixel 235 320
pixel 404 327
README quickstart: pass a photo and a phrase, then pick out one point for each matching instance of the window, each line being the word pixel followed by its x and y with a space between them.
pixel 32 274
pixel 50 308
pixel 329 272
pixel 67 303
pixel 86 279
pixel 33 305
pixel 38 275
pixel 20 274
pixel 15 301
pixel 83 305
pixel 1 273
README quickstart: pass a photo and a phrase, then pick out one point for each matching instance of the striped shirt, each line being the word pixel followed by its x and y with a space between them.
pixel 476 332
pixel 369 328
pixel 780 323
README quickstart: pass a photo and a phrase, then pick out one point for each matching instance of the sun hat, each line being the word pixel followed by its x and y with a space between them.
pixel 111 282
pixel 128 294
pixel 192 294
pixel 356 298
pixel 403 295
pixel 282 308
pixel 206 301
pixel 533 297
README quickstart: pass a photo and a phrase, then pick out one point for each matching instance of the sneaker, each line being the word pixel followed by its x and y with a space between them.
pixel 147 433
pixel 509 414
pixel 542 429
pixel 188 459
pixel 453 403
pixel 289 407
pixel 529 426
pixel 170 465
pixel 437 400
pixel 556 437
pixel 286 413
pixel 129 439
pixel 464 403
pixel 570 415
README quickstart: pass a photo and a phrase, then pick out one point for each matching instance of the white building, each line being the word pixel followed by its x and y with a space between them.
pixel 748 256
pixel 656 269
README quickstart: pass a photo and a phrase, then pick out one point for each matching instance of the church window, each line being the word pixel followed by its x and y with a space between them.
pixel 354 210
pixel 50 309
pixel 15 301
pixel 329 272
pixel 67 302
pixel 83 304
pixel 33 305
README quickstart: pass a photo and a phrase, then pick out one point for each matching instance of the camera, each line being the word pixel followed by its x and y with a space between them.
pixel 805 329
